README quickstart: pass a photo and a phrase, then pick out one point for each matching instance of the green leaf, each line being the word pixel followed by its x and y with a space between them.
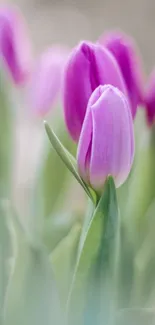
pixel 86 222
pixel 49 191
pixel 32 296
pixel 52 178
pixel 96 264
pixel 66 158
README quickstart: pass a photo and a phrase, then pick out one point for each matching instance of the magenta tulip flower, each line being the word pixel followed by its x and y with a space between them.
pixel 46 79
pixel 106 144
pixel 124 50
pixel 14 44
pixel 88 66
pixel 149 100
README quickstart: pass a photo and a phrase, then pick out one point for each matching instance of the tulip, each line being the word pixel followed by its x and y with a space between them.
pixel 14 44
pixel 124 50
pixel 106 144
pixel 88 66
pixel 150 99
pixel 46 79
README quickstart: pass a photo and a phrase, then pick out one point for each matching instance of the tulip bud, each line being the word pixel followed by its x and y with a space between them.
pixel 124 51
pixel 14 44
pixel 150 99
pixel 89 66
pixel 46 79
pixel 106 144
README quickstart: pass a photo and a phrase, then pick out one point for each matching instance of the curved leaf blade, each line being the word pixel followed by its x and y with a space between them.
pixel 96 261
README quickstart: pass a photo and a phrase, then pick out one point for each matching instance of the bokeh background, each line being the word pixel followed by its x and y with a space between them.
pixel 67 22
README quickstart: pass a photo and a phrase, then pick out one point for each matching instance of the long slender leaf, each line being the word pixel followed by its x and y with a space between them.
pixel 97 257
pixel 52 178
pixel 62 152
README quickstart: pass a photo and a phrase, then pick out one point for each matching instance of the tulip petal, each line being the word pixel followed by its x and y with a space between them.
pixel 124 50
pixel 108 69
pixel 46 79
pixel 150 99
pixel 84 147
pixel 110 127
pixel 77 90
pixel 15 47
pixel 89 66
pixel 106 144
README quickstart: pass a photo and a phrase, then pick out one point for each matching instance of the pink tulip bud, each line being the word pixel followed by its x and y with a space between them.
pixel 14 44
pixel 46 79
pixel 124 50
pixel 88 66
pixel 150 99
pixel 106 144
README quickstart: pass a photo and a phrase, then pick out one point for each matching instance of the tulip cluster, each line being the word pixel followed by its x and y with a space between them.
pixel 112 62
pixel 101 96
pixel 92 112
pixel 96 117
pixel 75 267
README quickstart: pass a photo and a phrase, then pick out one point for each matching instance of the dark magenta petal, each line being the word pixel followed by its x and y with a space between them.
pixel 124 50
pixel 149 99
pixel 77 90
pixel 88 66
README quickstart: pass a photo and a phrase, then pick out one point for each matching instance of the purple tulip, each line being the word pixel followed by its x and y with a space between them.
pixel 150 99
pixel 89 66
pixel 106 144
pixel 124 51
pixel 46 79
pixel 14 44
